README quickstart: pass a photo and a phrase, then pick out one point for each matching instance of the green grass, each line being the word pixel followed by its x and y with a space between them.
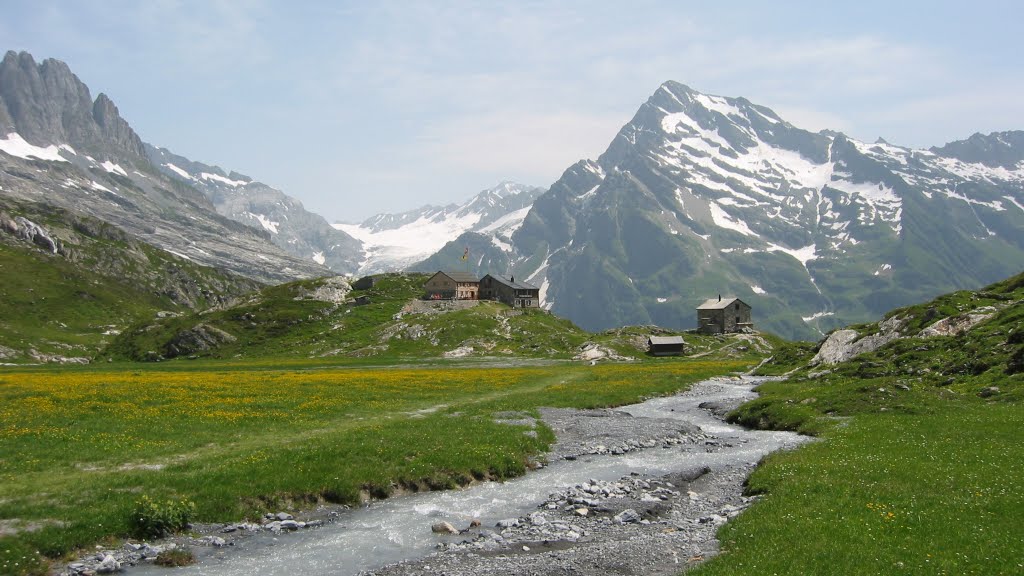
pixel 934 493
pixel 79 448
pixel 921 467
pixel 70 303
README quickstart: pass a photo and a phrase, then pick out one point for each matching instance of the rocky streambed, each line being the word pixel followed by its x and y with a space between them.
pixel 636 490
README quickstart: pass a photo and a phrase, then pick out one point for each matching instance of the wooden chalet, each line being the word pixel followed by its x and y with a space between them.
pixel 452 286
pixel 723 315
pixel 665 345
pixel 515 294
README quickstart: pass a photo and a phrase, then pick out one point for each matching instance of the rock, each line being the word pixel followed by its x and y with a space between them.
pixel 508 523
pixel 460 352
pixel 475 523
pixel 581 512
pixel 284 516
pixel 291 525
pixel 627 516
pixel 989 391
pixel 958 324
pixel 443 528
pixel 538 519
pixel 842 345
pixel 108 565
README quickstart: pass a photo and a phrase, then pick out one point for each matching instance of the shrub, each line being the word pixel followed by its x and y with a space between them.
pixel 151 519
pixel 175 557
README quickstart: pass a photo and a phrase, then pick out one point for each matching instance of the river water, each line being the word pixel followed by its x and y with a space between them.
pixel 399 528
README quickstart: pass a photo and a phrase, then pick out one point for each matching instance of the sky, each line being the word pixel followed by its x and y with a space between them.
pixel 357 108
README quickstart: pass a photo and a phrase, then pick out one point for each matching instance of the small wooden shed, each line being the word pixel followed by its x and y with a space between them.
pixel 723 315
pixel 665 345
pixel 364 283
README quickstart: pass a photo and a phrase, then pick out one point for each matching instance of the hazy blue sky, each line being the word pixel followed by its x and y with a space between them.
pixel 363 107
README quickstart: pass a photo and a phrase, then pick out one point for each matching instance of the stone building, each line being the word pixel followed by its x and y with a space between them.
pixel 515 294
pixel 452 286
pixel 723 315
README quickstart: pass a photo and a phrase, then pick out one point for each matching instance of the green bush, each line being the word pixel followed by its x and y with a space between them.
pixel 175 557
pixel 152 519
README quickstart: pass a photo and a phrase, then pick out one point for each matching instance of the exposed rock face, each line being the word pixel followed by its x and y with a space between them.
pixel 48 104
pixel 286 222
pixel 958 324
pixel 61 148
pixel 200 338
pixel 842 345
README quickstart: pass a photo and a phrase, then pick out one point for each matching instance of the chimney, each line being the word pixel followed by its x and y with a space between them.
pixel 719 297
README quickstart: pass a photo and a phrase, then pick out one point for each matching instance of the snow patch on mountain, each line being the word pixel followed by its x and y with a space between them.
pixel 400 247
pixel 722 219
pixel 179 171
pixel 114 168
pixel 267 224
pixel 222 179
pixel 15 145
pixel 396 241
pixel 97 186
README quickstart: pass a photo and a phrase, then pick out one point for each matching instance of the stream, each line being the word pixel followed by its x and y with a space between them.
pixel 398 529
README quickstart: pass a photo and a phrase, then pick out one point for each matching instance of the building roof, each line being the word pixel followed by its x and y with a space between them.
pixel 511 284
pixel 719 303
pixel 461 277
pixel 665 340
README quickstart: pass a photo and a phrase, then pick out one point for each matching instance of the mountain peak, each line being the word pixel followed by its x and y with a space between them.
pixel 46 104
pixel 995 150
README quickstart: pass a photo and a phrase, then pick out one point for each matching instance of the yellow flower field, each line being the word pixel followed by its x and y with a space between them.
pixel 78 447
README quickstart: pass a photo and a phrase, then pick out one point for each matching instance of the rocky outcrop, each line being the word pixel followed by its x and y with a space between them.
pixel 199 338
pixel 843 345
pixel 27 230
pixel 958 324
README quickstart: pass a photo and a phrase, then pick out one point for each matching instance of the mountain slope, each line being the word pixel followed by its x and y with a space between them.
pixel 242 199
pixel 404 241
pixel 63 148
pixel 701 195
pixel 72 282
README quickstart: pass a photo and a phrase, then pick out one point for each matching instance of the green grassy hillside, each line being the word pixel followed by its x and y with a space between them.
pixel 65 305
pixel 921 470
pixel 326 320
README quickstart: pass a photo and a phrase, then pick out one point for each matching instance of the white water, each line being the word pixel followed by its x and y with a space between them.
pixel 399 529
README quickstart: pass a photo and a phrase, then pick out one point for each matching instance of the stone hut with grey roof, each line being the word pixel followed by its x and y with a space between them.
pixel 507 290
pixel 723 316
pixel 452 286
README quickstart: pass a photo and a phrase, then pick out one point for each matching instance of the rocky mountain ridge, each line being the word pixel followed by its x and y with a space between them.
pixel 700 195
pixel 60 147
pixel 291 227
pixel 484 225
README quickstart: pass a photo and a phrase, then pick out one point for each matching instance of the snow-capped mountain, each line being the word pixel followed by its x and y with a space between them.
pixel 400 241
pixel 291 227
pixel 60 147
pixel 701 195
